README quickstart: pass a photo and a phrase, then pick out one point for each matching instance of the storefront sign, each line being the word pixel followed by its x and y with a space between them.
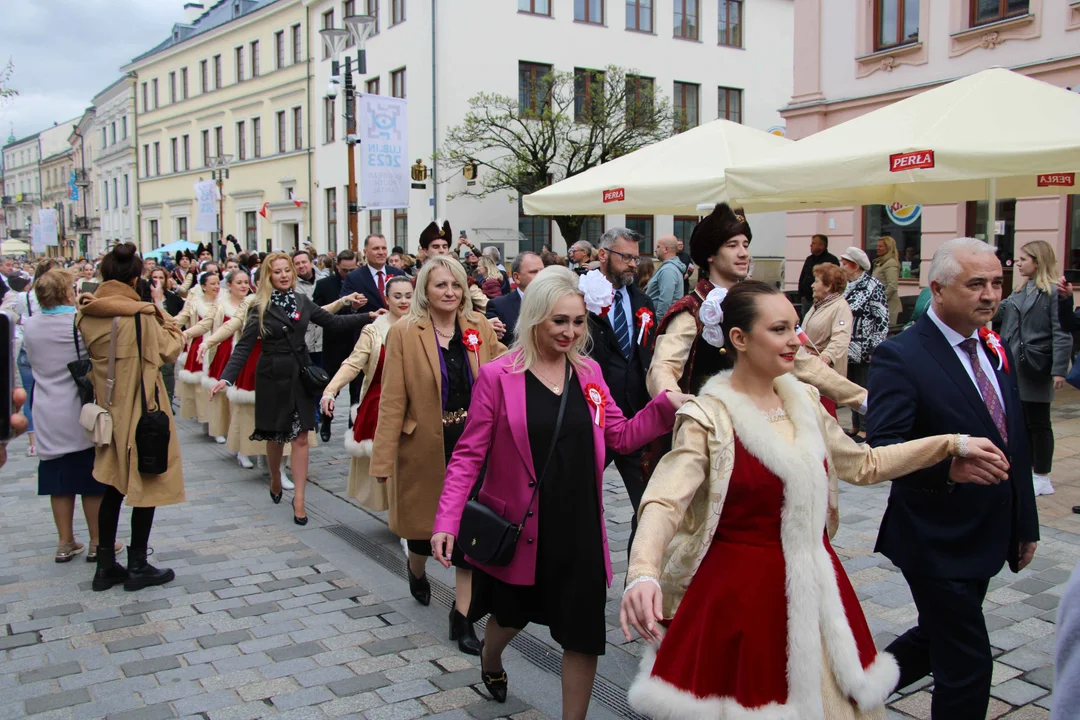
pixel 1057 180
pixel 616 195
pixel 206 197
pixel 385 173
pixel 917 160
pixel 903 214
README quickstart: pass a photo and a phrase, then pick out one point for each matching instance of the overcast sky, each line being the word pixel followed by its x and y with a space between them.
pixel 67 51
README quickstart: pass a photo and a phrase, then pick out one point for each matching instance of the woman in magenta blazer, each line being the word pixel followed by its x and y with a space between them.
pixel 561 569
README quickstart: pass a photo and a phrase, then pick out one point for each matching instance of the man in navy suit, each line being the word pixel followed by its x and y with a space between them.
pixel 370 279
pixel 952 527
pixel 508 307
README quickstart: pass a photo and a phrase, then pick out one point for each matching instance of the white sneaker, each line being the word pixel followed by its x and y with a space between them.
pixel 1042 485
pixel 245 461
pixel 220 439
pixel 286 483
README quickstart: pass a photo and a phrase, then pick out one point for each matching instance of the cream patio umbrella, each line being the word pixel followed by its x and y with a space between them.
pixel 670 177
pixel 993 134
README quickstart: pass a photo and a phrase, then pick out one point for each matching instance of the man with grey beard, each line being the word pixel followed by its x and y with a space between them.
pixel 616 348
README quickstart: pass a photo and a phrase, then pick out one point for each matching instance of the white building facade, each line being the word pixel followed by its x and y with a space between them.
pixel 711 58
pixel 22 186
pixel 113 168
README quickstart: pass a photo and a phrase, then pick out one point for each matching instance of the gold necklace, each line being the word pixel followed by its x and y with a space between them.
pixel 555 387
pixel 441 334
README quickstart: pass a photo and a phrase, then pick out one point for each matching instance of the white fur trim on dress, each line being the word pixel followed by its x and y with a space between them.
pixel 353 409
pixel 181 359
pixel 241 397
pixel 208 382
pixel 192 378
pixel 814 608
pixel 357 449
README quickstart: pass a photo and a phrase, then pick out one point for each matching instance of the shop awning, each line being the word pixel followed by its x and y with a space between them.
pixel 671 177
pixel 993 134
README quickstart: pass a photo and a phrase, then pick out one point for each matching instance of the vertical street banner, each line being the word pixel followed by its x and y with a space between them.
pixel 384 170
pixel 45 231
pixel 206 196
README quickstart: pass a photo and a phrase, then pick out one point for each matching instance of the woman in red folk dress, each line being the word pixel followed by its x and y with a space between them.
pixel 200 304
pixel 368 357
pixel 731 555
pixel 228 305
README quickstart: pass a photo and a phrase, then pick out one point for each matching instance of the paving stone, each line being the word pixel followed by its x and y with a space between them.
pixel 280 584
pixel 50 672
pixel 205 703
pixel 1043 677
pixel 461 678
pixel 144 607
pixel 452 699
pixel 406 710
pixel 116 623
pixel 207 559
pixel 150 712
pixel 1043 601
pixel 490 710
pixel 368 611
pixel 289 668
pixel 227 638
pixel 254 610
pixel 20 640
pixel 385 647
pixel 324 675
pixel 55 701
pixel 56 611
pixel 1031 586
pixel 1017 692
pixel 406 691
pixel 358 684
pixel 302 698
pixel 345 593
pixel 290 652
pixel 148 667
pixel 1026 659
pixel 267 688
pixel 133 643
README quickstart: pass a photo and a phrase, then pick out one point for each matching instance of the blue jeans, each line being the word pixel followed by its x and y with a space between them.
pixel 28 384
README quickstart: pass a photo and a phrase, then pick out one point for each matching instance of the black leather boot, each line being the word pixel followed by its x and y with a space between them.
pixel 142 574
pixel 324 427
pixel 108 572
pixel 419 587
pixel 462 631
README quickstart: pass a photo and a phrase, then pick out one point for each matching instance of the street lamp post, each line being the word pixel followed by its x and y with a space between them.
pixel 219 174
pixel 360 28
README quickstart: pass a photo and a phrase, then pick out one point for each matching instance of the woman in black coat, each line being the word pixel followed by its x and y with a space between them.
pixel 284 411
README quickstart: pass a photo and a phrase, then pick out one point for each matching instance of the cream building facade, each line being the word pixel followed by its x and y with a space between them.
pixel 57 190
pixel 230 80
pixel 111 145
pixel 856 56
pixel 22 186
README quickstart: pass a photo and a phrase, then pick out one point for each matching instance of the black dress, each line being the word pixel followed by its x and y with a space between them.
pixel 571 581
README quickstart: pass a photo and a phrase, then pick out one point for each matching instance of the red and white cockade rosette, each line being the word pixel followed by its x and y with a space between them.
pixel 993 342
pixel 595 397
pixel 471 338
pixel 598 290
pixel 645 320
pixel 711 316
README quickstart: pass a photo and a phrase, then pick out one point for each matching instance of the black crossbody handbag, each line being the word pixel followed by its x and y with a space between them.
pixel 80 371
pixel 312 377
pixel 152 432
pixel 485 535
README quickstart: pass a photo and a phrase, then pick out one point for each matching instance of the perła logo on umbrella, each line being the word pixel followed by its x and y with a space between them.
pixel 915 160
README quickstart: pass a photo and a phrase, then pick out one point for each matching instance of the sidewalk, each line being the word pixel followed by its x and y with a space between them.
pixel 260 621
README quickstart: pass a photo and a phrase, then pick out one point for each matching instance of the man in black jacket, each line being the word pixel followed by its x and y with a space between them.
pixel 370 279
pixel 337 344
pixel 819 254
pixel 508 307
pixel 616 348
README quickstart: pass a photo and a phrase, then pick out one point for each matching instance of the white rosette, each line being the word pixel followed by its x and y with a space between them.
pixel 711 315
pixel 598 291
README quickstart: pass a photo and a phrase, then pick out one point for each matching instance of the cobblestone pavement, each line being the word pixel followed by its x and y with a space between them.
pixel 265 619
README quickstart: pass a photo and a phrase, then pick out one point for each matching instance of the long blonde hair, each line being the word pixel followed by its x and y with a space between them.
pixel 490 269
pixel 537 304
pixel 1046 262
pixel 421 307
pixel 266 286
pixel 890 251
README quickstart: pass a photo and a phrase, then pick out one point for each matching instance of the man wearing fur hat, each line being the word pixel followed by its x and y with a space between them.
pixel 435 240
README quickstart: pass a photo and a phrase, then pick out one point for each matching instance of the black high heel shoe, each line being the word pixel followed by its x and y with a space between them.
pixel 275 498
pixel 496 683
pixel 419 587
pixel 462 631
pixel 300 520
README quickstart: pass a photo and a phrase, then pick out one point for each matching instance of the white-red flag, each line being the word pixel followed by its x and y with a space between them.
pixel 297 201
pixel 262 211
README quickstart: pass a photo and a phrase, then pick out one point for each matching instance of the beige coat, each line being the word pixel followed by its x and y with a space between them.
pixel 364 358
pixel 829 328
pixel 116 464
pixel 888 272
pixel 214 320
pixel 408 447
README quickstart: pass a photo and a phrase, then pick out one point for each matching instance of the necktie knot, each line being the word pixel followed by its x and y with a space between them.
pixel 970 346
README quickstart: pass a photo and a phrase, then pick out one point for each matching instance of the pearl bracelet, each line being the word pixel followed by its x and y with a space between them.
pixel 643 578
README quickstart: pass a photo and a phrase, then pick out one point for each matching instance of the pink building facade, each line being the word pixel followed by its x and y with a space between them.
pixel 856 56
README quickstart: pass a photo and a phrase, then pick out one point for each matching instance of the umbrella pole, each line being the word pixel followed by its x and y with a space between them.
pixel 991 211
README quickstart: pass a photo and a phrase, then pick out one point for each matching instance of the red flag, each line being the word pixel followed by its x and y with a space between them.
pixel 296 200
pixel 263 210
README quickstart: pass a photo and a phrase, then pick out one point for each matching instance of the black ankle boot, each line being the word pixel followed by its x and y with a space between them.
pixel 108 573
pixel 462 631
pixel 142 574
pixel 419 587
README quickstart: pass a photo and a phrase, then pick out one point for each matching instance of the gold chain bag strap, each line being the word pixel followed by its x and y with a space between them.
pixel 95 419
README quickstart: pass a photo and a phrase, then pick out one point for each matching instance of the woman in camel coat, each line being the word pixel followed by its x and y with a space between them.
pixel 116 464
pixel 887 271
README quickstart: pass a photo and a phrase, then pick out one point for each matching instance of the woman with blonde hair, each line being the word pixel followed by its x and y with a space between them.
pixel 887 271
pixel 1040 348
pixel 284 405
pixel 368 357
pixel 433 357
pixel 490 277
pixel 542 419
pixel 201 303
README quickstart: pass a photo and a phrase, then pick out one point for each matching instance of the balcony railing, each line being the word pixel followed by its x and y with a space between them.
pixel 82 223
pixel 26 198
pixel 17 234
pixel 7 200
pixel 82 178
